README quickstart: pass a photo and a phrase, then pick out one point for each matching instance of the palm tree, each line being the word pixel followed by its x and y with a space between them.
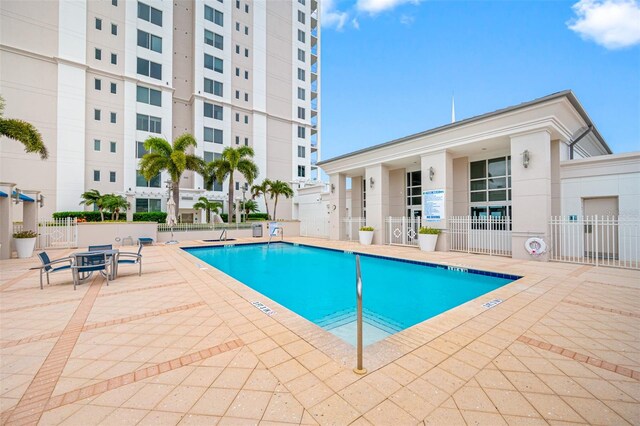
pixel 234 160
pixel 23 132
pixel 172 158
pixel 208 206
pixel 93 197
pixel 261 191
pixel 249 206
pixel 114 203
pixel 276 189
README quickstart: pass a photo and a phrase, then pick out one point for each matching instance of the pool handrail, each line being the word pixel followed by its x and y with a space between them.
pixel 359 368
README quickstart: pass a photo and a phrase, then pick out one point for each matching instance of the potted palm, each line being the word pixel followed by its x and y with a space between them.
pixel 427 238
pixel 366 235
pixel 25 242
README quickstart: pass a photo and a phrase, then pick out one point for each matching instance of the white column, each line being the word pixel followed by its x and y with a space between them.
pixel 6 223
pixel 377 181
pixel 337 205
pixel 531 197
pixel 437 174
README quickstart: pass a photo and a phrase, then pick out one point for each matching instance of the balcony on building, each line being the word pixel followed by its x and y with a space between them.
pixel 314 6
pixel 314 19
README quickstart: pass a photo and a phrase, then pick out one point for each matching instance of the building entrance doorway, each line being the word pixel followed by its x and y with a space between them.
pixel 601 227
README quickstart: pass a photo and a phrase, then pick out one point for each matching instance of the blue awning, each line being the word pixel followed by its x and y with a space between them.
pixel 3 194
pixel 24 197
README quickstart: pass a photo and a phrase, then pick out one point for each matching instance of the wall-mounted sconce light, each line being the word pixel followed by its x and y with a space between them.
pixel 41 200
pixel 525 158
pixel 333 188
pixel 371 182
pixel 17 192
pixel 432 172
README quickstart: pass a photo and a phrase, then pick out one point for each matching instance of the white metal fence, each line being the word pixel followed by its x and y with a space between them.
pixel 315 226
pixel 483 235
pixel 596 240
pixel 402 230
pixel 55 233
pixel 352 226
pixel 185 227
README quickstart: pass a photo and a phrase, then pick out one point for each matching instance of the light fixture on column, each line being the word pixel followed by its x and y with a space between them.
pixel 525 158
pixel 41 200
pixel 333 188
pixel 17 193
pixel 371 182
pixel 432 172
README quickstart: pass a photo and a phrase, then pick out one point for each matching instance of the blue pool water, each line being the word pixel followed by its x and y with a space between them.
pixel 319 285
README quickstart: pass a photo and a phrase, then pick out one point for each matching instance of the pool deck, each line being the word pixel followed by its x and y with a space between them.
pixel 182 344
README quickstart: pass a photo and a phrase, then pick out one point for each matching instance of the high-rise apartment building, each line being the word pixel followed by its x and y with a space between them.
pixel 99 77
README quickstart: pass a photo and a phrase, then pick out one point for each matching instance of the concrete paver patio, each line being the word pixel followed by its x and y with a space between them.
pixel 183 345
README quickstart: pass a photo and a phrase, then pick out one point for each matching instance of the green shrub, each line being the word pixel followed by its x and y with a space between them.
pixel 366 228
pixel 25 234
pixel 257 216
pixel 160 217
pixel 430 231
pixel 91 216
pixel 224 216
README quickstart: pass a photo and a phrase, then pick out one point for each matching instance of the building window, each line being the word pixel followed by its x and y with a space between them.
pixel 213 87
pixel 96 144
pixel 301 36
pixel 97 84
pixel 246 8
pixel 155 182
pixel 246 97
pixel 490 187
pixel 150 69
pixel 246 75
pixel 301 55
pixel 208 156
pixel 148 123
pixel 213 135
pixel 237 72
pixel 246 119
pixel 98 24
pixel 114 29
pixel 301 74
pixel 114 3
pixel 96 175
pixel 237 94
pixel 238 49
pixel 302 171
pixel 149 41
pixel 213 15
pixel 301 151
pixel 237 26
pixel 213 111
pixel 140 150
pixel 114 59
pixel 213 39
pixel 237 4
pixel 114 88
pixel 150 14
pixel 301 17
pixel 96 114
pixel 112 177
pixel 237 140
pixel 98 54
pixel 237 116
pixel 301 132
pixel 213 63
pixel 301 94
pixel 246 30
pixel 246 141
pixel 148 96
pixel 246 53
pixel 145 205
pixel 112 147
pixel 113 117
pixel 301 2
pixel 301 113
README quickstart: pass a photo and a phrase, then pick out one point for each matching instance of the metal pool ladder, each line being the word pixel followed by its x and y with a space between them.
pixel 275 232
pixel 359 368
pixel 223 234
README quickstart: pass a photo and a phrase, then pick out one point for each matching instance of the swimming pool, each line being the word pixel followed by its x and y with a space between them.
pixel 319 285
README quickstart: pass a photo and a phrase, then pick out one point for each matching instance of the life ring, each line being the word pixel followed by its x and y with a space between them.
pixel 535 246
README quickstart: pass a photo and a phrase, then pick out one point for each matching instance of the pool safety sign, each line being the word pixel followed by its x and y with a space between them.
pixel 433 205
pixel 492 303
pixel 264 308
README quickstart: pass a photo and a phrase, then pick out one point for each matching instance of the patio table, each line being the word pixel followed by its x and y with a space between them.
pixel 111 254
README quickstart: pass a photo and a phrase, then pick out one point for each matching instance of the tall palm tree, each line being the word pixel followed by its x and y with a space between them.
pixel 276 189
pixel 114 203
pixel 248 206
pixel 234 160
pixel 208 206
pixel 23 132
pixel 172 158
pixel 93 197
pixel 262 190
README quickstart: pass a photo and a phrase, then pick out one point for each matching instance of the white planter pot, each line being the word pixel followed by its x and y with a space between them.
pixel 427 242
pixel 24 247
pixel 366 237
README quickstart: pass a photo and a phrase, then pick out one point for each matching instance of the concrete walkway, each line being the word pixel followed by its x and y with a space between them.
pixel 183 345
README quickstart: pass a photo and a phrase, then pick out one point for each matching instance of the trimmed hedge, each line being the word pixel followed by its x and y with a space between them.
pixel 160 217
pixel 257 216
pixel 90 216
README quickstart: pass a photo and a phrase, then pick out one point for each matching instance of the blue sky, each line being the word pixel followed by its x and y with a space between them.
pixel 390 67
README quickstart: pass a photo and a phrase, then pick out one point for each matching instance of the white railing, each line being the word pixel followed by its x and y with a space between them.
pixel 55 233
pixel 315 227
pixel 186 227
pixel 595 240
pixel 352 226
pixel 402 230
pixel 483 235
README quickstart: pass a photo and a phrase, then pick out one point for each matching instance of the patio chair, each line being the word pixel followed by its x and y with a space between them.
pixel 132 258
pixel 47 268
pixel 102 247
pixel 89 263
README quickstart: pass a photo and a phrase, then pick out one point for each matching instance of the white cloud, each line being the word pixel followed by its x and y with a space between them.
pixel 613 24
pixel 355 23
pixel 331 16
pixel 407 20
pixel 377 6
